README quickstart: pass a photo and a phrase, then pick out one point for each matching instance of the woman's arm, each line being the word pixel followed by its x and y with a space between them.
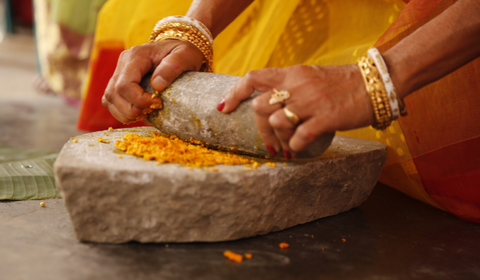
pixel 333 98
pixel 217 14
pixel 124 97
pixel 441 46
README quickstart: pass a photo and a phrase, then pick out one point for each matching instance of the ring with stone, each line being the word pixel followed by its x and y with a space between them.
pixel 291 116
pixel 279 96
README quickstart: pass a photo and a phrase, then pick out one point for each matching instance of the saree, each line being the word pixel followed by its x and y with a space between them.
pixel 433 152
pixel 64 32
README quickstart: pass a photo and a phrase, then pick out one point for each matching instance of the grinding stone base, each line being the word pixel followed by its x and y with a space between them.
pixel 117 200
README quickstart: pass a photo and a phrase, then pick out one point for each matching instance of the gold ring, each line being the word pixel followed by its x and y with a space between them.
pixel 278 96
pixel 291 116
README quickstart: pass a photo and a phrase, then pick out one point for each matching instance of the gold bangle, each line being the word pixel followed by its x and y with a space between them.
pixel 187 33
pixel 402 107
pixel 377 93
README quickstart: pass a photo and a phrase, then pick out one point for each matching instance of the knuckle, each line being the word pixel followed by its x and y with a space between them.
pixel 132 113
pixel 135 50
pixel 173 65
pixel 250 76
pixel 275 122
pixel 107 96
pixel 105 102
pixel 254 75
pixel 124 54
pixel 121 86
pixel 300 68
pixel 257 105
pixel 306 135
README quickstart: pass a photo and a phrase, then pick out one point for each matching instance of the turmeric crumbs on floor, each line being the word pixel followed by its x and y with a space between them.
pixel 173 150
pixel 233 256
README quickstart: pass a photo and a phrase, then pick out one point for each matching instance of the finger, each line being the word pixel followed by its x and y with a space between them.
pixel 263 110
pixel 135 95
pixel 119 107
pixel 284 130
pixel 132 66
pixel 115 112
pixel 261 80
pixel 124 109
pixel 109 93
pixel 310 130
pixel 182 58
pixel 118 69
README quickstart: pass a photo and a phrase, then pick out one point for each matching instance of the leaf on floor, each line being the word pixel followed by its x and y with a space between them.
pixel 26 174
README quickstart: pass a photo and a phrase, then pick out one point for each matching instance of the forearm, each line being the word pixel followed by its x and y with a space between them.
pixel 217 14
pixel 441 46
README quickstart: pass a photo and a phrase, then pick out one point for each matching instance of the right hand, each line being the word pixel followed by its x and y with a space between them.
pixel 124 97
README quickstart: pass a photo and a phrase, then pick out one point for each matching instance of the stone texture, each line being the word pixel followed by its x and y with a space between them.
pixel 116 200
pixel 194 114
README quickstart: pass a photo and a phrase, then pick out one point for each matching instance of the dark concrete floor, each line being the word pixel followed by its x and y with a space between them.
pixel 390 236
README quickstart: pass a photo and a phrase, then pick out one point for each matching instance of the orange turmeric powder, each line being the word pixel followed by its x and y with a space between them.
pixel 233 256
pixel 174 150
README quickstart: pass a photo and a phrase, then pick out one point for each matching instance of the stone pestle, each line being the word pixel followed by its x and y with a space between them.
pixel 189 111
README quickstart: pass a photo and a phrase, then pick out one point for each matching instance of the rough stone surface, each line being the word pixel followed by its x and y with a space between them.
pixel 117 200
pixel 190 111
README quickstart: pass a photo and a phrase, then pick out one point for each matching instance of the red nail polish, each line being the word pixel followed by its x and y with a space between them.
pixel 271 150
pixel 287 154
pixel 221 105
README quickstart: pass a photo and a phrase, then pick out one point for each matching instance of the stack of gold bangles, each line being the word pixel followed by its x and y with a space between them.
pixel 387 106
pixel 189 30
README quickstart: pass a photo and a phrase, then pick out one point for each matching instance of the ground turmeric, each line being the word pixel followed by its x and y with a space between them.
pixel 233 256
pixel 173 150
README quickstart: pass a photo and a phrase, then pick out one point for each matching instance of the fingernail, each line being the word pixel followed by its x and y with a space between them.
pixel 271 150
pixel 221 105
pixel 287 154
pixel 159 83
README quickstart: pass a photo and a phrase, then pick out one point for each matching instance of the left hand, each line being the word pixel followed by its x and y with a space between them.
pixel 325 98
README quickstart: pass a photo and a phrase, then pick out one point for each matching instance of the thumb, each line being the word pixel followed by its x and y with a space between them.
pixel 180 59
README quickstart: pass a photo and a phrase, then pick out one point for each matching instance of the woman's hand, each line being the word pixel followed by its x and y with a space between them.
pixel 325 99
pixel 124 97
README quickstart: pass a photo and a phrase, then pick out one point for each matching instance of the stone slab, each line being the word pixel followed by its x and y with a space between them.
pixel 115 200
pixel 190 110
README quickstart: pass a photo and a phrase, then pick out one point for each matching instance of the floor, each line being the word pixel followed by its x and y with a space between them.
pixel 30 119
pixel 390 236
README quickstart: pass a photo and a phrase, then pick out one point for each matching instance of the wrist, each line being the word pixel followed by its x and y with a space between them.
pixel 362 98
pixel 189 30
pixel 205 19
pixel 216 15
pixel 401 73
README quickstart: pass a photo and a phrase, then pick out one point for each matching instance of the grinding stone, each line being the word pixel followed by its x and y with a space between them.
pixel 190 110
pixel 117 200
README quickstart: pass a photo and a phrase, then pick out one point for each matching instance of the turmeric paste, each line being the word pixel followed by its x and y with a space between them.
pixel 173 150
pixel 233 256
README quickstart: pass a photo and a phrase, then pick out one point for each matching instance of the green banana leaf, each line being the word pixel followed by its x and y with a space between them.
pixel 26 174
